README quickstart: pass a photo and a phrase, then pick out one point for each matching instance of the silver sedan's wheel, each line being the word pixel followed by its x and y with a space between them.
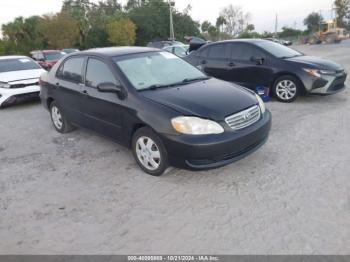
pixel 56 117
pixel 286 90
pixel 148 153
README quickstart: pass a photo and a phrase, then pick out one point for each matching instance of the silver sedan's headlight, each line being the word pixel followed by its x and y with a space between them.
pixel 4 85
pixel 261 104
pixel 196 126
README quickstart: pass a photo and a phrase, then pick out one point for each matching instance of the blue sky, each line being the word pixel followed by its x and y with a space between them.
pixel 290 12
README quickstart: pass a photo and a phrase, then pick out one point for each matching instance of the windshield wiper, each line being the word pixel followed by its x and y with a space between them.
pixel 183 82
pixel 189 80
pixel 153 87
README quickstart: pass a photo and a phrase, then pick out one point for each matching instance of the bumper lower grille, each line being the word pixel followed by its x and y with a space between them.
pixel 244 118
pixel 24 85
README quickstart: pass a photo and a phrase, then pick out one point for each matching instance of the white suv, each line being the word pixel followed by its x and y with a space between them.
pixel 19 79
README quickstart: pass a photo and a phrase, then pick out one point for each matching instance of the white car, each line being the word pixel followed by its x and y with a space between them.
pixel 19 79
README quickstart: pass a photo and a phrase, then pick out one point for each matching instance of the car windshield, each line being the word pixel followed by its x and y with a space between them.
pixel 54 56
pixel 9 65
pixel 278 50
pixel 157 69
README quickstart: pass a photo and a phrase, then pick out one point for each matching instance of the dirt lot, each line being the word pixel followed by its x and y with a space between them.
pixel 82 194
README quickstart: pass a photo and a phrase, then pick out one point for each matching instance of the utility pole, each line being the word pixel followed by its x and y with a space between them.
pixel 276 26
pixel 172 33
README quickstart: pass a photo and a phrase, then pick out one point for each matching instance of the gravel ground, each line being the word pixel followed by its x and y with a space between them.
pixel 82 194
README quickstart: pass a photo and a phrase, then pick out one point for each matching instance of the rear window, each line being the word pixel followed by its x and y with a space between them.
pixel 18 64
pixel 54 56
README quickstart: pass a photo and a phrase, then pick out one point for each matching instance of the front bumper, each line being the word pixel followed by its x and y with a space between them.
pixel 213 151
pixel 15 95
pixel 328 84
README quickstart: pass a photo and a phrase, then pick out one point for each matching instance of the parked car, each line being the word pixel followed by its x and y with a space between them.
pixel 70 50
pixel 280 41
pixel 167 111
pixel 47 58
pixel 19 79
pixel 163 43
pixel 178 50
pixel 255 63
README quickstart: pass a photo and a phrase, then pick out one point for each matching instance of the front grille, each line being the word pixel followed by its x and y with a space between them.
pixel 24 85
pixel 244 118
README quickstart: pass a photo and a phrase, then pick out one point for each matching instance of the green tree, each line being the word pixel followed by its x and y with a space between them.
pixel 342 8
pixel 205 26
pixel 313 21
pixel 60 31
pixel 121 32
pixel 289 32
pixel 23 35
pixel 220 22
pixel 152 21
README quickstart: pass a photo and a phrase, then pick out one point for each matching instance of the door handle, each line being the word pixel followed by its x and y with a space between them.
pixel 231 64
pixel 203 62
pixel 85 92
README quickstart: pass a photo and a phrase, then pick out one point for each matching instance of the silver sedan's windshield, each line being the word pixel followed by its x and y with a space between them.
pixel 157 69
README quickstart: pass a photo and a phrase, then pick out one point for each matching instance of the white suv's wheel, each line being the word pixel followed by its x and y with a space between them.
pixel 149 152
pixel 286 89
pixel 59 120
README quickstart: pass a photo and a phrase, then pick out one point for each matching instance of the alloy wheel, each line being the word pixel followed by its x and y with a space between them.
pixel 56 117
pixel 286 89
pixel 148 153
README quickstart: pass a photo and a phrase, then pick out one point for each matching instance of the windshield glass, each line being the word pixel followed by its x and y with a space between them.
pixel 278 50
pixel 8 65
pixel 157 69
pixel 54 56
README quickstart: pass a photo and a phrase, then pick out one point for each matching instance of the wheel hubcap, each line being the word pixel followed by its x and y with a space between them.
pixel 56 117
pixel 148 153
pixel 286 89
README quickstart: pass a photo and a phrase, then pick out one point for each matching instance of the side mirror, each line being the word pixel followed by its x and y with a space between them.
pixel 258 60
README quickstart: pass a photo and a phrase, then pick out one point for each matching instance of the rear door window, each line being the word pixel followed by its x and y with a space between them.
pixel 244 52
pixel 219 51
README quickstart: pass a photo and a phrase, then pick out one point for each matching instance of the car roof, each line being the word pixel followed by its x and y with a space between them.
pixel 243 40
pixel 119 51
pixel 12 57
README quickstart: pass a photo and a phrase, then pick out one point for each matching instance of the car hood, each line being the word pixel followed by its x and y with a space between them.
pixel 211 99
pixel 316 62
pixel 20 75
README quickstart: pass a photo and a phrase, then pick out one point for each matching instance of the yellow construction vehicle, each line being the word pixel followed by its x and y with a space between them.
pixel 328 33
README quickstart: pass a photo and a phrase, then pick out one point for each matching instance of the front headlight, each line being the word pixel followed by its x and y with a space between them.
pixel 327 72
pixel 4 85
pixel 312 72
pixel 196 126
pixel 319 73
pixel 261 104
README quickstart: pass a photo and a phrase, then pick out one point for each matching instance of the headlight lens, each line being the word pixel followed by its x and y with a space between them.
pixel 312 72
pixel 261 104
pixel 327 72
pixel 4 85
pixel 319 73
pixel 196 126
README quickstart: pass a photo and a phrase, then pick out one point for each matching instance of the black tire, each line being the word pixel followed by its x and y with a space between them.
pixel 141 135
pixel 291 92
pixel 65 126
